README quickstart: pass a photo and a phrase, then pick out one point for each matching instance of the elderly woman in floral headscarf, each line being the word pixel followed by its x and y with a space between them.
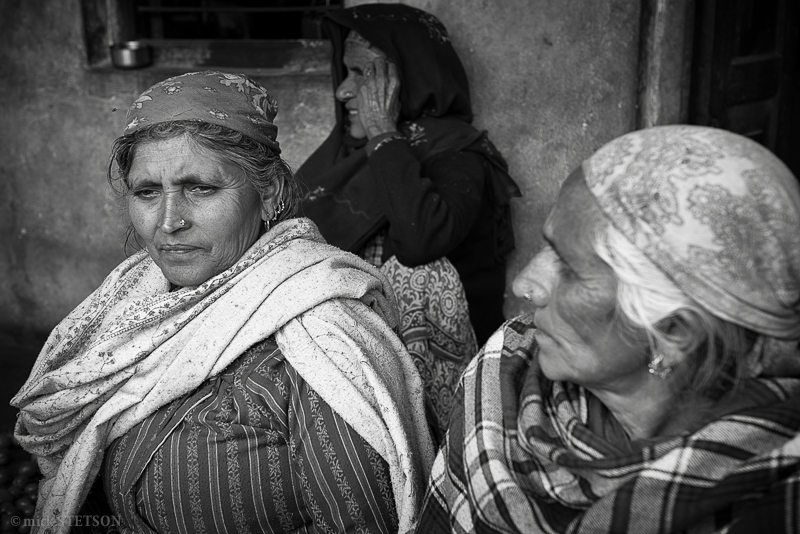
pixel 405 181
pixel 238 374
pixel 656 386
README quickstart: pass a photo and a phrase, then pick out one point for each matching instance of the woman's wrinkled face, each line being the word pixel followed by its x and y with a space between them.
pixel 358 55
pixel 574 292
pixel 176 179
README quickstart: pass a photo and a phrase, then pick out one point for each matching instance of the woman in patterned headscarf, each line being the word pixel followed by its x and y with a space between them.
pixel 656 386
pixel 407 183
pixel 238 374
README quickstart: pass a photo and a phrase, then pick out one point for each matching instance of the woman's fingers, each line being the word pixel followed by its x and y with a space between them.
pixel 385 80
pixel 392 74
pixel 381 72
pixel 392 91
pixel 378 97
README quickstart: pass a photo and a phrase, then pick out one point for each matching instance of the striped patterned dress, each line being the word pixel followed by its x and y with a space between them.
pixel 254 449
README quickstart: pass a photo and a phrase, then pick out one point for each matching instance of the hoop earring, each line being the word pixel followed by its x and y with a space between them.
pixel 278 211
pixel 655 368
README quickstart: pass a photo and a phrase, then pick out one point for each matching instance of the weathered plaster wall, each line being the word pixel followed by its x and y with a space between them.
pixel 61 229
pixel 551 81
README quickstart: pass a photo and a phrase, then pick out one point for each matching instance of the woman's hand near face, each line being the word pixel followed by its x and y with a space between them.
pixel 378 102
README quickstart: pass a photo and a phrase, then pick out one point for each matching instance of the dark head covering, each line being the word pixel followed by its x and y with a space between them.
pixel 434 95
pixel 433 82
pixel 231 100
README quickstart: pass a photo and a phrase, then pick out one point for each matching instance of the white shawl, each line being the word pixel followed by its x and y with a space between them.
pixel 132 347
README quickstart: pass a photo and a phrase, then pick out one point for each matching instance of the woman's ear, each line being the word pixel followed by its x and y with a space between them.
pixel 682 336
pixel 266 210
pixel 270 199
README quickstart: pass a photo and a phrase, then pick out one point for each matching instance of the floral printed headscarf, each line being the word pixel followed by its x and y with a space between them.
pixel 715 211
pixel 231 100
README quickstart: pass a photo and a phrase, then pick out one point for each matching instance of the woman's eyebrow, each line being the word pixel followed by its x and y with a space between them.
pixel 182 180
pixel 144 182
pixel 555 249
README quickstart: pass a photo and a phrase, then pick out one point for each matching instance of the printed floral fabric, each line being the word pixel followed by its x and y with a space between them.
pixel 717 212
pixel 231 100
pixel 520 457
pixel 435 327
pixel 133 346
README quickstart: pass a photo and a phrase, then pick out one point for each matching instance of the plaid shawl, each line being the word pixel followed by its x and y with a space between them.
pixel 520 458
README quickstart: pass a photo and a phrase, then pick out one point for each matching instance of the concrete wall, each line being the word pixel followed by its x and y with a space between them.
pixel 61 229
pixel 551 81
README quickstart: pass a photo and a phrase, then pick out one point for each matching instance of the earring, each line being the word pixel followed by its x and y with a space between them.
pixel 655 368
pixel 266 226
pixel 278 211
pixel 527 296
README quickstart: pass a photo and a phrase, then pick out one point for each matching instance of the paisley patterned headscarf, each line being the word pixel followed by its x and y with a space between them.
pixel 231 100
pixel 715 211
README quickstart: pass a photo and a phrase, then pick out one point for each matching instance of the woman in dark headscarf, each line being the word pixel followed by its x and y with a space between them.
pixel 405 181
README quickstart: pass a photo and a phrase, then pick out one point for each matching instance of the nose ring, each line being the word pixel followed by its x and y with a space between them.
pixel 527 296
pixel 182 223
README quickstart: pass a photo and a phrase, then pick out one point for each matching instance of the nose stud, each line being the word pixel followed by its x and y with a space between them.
pixel 348 94
pixel 182 223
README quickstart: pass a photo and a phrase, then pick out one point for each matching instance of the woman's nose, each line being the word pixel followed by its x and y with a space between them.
pixel 537 279
pixel 171 213
pixel 346 90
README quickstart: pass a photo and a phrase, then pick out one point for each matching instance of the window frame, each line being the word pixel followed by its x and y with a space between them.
pixel 106 22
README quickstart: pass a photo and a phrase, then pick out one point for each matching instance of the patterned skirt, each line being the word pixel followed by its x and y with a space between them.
pixel 436 330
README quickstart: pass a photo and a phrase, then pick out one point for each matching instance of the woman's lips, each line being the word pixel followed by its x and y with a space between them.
pixel 177 250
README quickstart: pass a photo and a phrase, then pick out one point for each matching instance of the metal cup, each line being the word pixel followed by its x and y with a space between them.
pixel 131 55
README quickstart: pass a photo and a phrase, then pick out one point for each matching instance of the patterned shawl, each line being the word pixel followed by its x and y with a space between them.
pixel 133 346
pixel 520 457
pixel 435 327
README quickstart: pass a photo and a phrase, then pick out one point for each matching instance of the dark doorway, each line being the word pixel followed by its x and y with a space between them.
pixel 745 75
